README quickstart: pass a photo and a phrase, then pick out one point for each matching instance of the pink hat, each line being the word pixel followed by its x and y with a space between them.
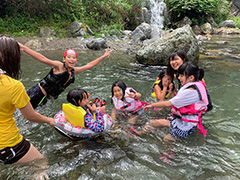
pixel 70 51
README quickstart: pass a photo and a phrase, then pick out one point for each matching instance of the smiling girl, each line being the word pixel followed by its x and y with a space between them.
pixel 176 59
pixel 126 100
pixel 187 106
pixel 60 76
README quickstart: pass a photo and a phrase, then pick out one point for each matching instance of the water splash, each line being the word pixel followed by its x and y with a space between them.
pixel 158 8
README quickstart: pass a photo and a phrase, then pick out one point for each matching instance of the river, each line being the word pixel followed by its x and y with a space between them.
pixel 120 154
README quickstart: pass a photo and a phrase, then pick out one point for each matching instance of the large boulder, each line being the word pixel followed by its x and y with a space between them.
pixel 97 44
pixel 158 52
pixel 228 23
pixel 141 33
pixel 206 28
pixel 78 29
pixel 46 32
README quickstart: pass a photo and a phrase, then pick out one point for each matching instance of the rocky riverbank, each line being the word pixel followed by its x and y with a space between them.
pixel 151 50
pixel 54 43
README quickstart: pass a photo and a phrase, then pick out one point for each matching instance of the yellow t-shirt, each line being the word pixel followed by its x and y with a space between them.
pixel 12 95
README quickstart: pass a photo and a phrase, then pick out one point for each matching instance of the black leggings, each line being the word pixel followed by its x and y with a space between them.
pixel 10 155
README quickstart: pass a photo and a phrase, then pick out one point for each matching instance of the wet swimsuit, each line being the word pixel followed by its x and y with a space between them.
pixel 53 84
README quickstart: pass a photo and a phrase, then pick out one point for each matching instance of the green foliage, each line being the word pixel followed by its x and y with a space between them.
pixel 102 16
pixel 237 21
pixel 198 10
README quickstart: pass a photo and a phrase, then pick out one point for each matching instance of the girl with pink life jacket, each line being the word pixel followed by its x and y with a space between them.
pixel 188 105
pixel 126 100
pixel 176 59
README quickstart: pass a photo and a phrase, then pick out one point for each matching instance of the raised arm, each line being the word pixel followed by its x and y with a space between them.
pixel 39 56
pixel 92 63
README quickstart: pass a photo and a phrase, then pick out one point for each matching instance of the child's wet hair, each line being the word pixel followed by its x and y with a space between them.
pixel 75 95
pixel 163 73
pixel 120 84
pixel 10 56
pixel 179 53
pixel 190 68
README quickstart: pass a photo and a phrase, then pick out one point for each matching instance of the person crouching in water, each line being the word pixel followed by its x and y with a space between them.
pixel 93 118
pixel 126 100
pixel 188 105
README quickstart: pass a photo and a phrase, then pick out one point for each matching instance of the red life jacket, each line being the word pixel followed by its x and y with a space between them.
pixel 197 108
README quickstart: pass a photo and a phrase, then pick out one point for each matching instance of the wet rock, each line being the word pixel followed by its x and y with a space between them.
pixel 206 28
pixel 185 21
pixel 97 44
pixel 77 29
pixel 228 23
pixel 34 44
pixel 157 53
pixel 196 29
pixel 46 32
pixel 142 32
pixel 226 31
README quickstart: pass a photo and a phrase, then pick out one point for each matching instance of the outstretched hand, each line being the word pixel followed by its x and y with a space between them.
pixel 107 53
pixel 145 108
pixel 51 122
pixel 131 94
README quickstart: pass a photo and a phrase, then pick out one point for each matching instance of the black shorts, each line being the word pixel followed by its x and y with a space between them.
pixel 36 96
pixel 10 155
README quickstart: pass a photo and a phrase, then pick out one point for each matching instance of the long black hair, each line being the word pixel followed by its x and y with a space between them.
pixel 74 95
pixel 10 56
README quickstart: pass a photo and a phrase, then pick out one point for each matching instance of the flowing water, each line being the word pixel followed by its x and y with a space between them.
pixel 120 154
pixel 157 10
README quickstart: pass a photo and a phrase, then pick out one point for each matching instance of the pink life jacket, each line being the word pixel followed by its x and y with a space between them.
pixel 198 108
pixel 130 104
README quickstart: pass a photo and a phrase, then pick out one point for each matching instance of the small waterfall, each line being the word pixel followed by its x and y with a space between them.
pixel 157 7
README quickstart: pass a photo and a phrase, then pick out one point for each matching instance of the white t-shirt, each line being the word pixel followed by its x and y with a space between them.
pixel 183 98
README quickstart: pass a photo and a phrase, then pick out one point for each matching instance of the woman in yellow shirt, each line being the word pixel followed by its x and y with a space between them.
pixel 13 147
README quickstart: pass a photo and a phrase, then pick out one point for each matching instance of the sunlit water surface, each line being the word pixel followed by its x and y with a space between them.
pixel 122 155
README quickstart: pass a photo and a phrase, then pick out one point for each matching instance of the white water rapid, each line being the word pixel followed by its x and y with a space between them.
pixel 157 7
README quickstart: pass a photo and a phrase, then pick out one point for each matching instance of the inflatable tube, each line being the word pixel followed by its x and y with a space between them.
pixel 74 132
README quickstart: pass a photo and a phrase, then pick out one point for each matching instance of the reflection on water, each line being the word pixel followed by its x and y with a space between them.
pixel 122 155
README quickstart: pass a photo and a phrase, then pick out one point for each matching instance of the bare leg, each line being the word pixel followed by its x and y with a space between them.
pixel 40 168
pixel 38 161
pixel 153 123
pixel 133 120
pixel 32 154
pixel 160 123
pixel 169 138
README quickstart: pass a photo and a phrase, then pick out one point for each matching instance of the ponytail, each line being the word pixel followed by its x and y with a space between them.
pixel 201 74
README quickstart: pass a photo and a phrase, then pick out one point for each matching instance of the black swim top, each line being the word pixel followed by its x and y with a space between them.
pixel 54 84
